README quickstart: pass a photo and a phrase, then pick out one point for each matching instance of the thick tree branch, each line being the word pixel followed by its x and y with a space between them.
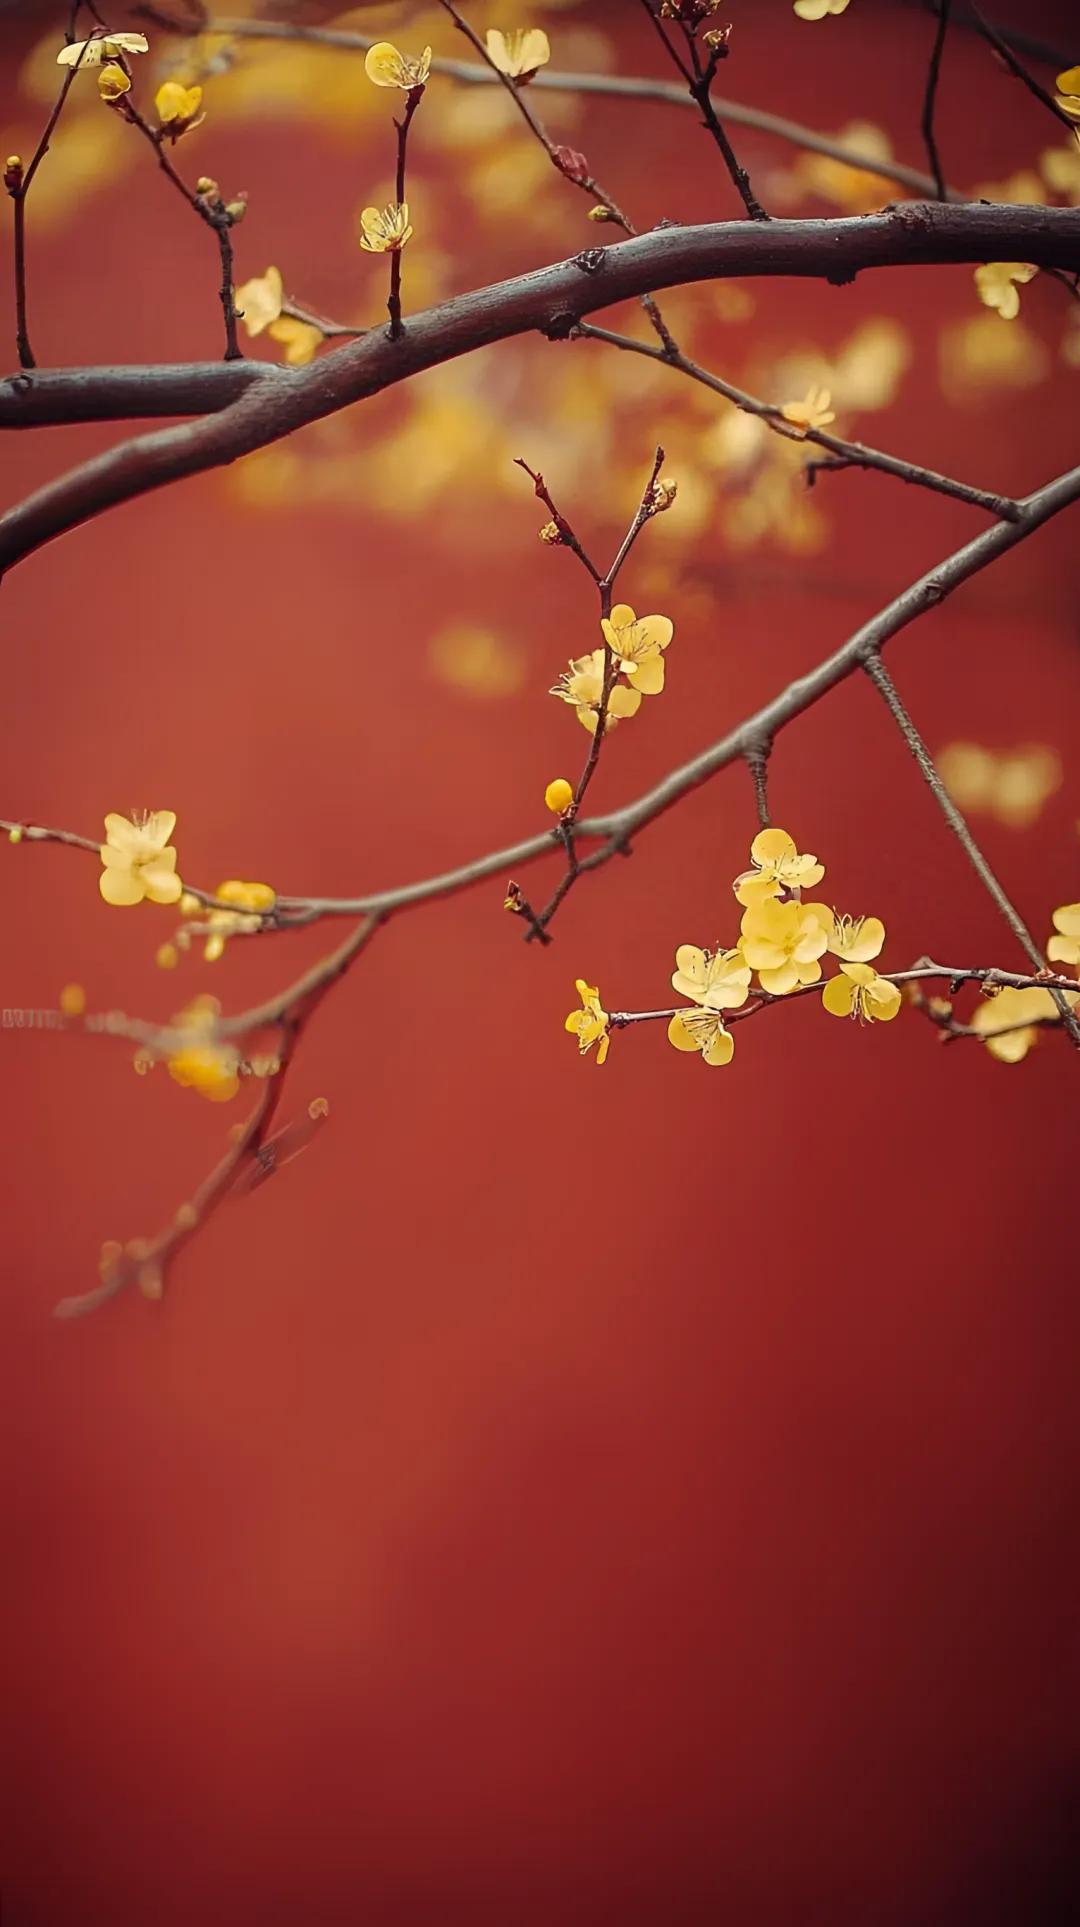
pixel 549 300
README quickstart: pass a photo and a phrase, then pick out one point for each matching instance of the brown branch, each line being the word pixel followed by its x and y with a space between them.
pixel 1016 67
pixel 699 76
pixel 848 454
pixel 933 75
pixel 552 300
pixel 991 978
pixel 210 209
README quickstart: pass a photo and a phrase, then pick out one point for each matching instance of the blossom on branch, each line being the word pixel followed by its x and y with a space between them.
pixel 559 795
pixel 589 1024
pixel 817 9
pixel 778 866
pixel 1068 98
pixel 814 411
pixel 139 861
pixel 177 108
pixel 855 940
pixel 518 54
pixel 718 980
pixel 859 992
pixel 258 302
pixel 1009 1022
pixel 1065 946
pixel 385 230
pixel 101 47
pixel 702 1031
pixel 386 67
pixel 783 942
pixel 199 1063
pixel 113 82
pixel 998 284
pixel 583 686
pixel 637 644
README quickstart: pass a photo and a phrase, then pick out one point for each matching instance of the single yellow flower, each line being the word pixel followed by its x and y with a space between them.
pixel 105 46
pixel 777 866
pixel 703 1031
pixel 1068 86
pixel 300 339
pixel 782 942
pixel 385 231
pixel 559 795
pixel 858 991
pixel 386 67
pixel 855 940
pixel 637 644
pixel 817 9
pixel 998 284
pixel 1065 947
pixel 258 302
pixel 518 54
pixel 582 684
pixel 113 82
pixel 1009 1022
pixel 198 1062
pixel 139 860
pixel 718 980
pixel 590 1023
pixel 814 411
pixel 177 107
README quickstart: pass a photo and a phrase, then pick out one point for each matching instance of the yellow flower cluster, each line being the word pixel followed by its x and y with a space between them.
pixel 636 645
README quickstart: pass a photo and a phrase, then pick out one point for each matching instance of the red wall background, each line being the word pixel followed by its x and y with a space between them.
pixel 560 1495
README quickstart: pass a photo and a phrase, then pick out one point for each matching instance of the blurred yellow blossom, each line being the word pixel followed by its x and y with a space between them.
pixel 999 282
pixel 857 190
pixel 583 683
pixel 479 661
pixel 1012 785
pixel 384 65
pixel 817 9
pixel 559 795
pixel 177 107
pixel 1065 946
pixel 814 411
pixel 977 354
pixel 91 53
pixel 702 1031
pixel 778 866
pixel 1061 169
pixel 299 339
pixel 251 901
pixel 385 230
pixel 73 1000
pixel 718 980
pixel 858 991
pixel 198 1062
pixel 113 82
pixel 1017 1013
pixel 783 942
pixel 637 644
pixel 518 54
pixel 589 1024
pixel 259 301
pixel 139 860
pixel 1023 189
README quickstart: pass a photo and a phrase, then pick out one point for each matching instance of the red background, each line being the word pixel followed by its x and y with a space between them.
pixel 561 1495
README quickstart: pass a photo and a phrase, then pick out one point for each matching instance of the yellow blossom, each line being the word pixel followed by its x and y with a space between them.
pixel 386 67
pixel 1068 99
pixel 166 956
pixel 718 980
pixel 139 860
pixel 777 866
pixel 814 411
pixel 782 942
pixel 702 1031
pixel 1065 947
pixel 259 301
pixel 856 940
pixel 583 683
pixel 177 107
pixel 113 82
pixel 300 339
pixel 251 900
pixel 997 285
pixel 198 1062
pixel 559 795
pixel 858 991
pixel 590 1023
pixel 1061 167
pixel 385 231
pixel 637 644
pixel 73 1000
pixel 518 54
pixel 817 9
pixel 1012 785
pixel 91 53
pixel 1009 1022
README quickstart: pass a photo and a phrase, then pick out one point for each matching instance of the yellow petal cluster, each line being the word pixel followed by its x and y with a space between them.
pixel 252 901
pixel 1068 98
pixel 177 107
pixel 717 980
pixel 815 410
pixel 858 991
pixel 518 54
pixel 998 284
pixel 702 1031
pixel 589 1024
pixel 259 300
pixel 784 942
pixel 637 644
pixel 1010 1021
pixel 138 859
pixel 101 47
pixel 778 866
pixel 582 684
pixel 113 82
pixel 1011 785
pixel 1064 946
pixel 386 67
pixel 198 1062
pixel 385 230
pixel 817 9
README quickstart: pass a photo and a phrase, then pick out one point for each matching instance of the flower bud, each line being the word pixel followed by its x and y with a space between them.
pixel 558 796
pixel 236 211
pixel 600 213
pixel 73 1000
pixel 113 82
pixel 13 173
pixel 205 186
pixel 167 956
pixel 664 491
pixel 15 834
pixel 551 534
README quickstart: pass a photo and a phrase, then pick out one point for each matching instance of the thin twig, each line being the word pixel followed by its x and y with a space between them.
pixel 1016 67
pixel 415 96
pixel 933 75
pixel 210 209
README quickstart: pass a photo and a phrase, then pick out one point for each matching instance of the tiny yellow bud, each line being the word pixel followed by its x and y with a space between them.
pixel 189 906
pixel 151 1282
pixel 558 796
pixel 318 1108
pixel 187 1216
pixel 599 213
pixel 110 1251
pixel 73 1000
pixel 550 533
pixel 14 163
pixel 236 211
pixel 215 947
pixel 113 82
pixel 13 173
pixel 15 835
pixel 204 185
pixel 167 956
pixel 663 494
